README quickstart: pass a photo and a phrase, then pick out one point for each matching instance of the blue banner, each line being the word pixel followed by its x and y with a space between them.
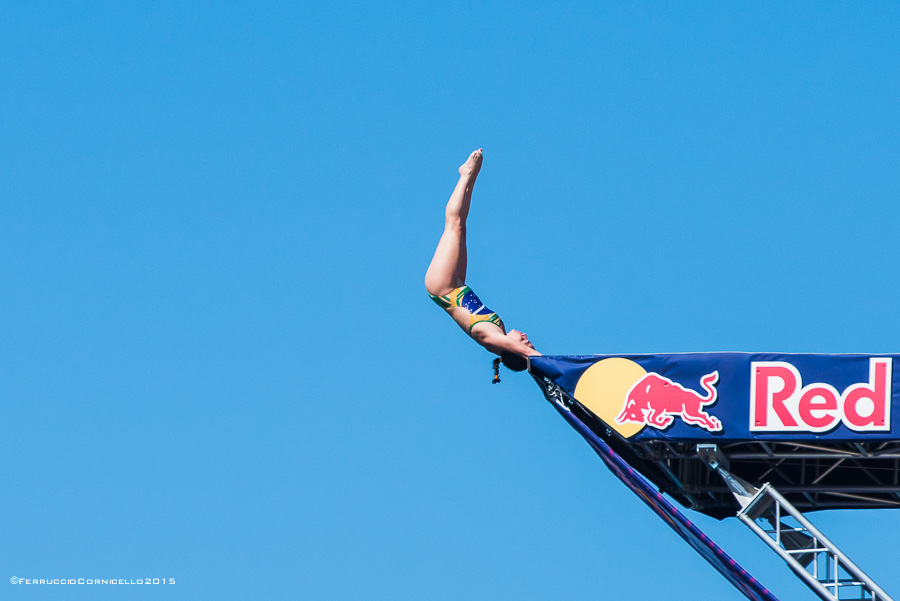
pixel 734 396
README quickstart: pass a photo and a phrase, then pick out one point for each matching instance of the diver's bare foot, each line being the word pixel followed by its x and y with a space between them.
pixel 472 165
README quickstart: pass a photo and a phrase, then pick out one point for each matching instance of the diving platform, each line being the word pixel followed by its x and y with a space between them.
pixel 766 437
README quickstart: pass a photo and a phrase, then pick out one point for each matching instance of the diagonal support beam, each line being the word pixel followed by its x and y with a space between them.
pixel 818 562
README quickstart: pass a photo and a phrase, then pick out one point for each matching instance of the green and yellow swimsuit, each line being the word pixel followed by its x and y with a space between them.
pixel 468 300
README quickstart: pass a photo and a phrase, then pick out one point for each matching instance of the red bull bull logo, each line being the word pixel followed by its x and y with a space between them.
pixel 779 402
pixel 655 400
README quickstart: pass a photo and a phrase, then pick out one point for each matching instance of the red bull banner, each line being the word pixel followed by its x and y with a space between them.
pixel 734 396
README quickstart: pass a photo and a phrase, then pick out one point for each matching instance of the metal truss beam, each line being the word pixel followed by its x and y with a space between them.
pixel 817 561
pixel 813 476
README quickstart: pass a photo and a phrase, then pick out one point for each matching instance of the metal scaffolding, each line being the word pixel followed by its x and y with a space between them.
pixel 817 561
pixel 812 476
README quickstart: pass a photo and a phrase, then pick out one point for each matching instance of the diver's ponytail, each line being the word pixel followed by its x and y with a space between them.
pixel 496 379
pixel 511 361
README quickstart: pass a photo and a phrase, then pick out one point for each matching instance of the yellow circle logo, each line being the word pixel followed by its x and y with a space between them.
pixel 602 388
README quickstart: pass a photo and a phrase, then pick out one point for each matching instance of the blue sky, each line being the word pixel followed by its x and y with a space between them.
pixel 218 362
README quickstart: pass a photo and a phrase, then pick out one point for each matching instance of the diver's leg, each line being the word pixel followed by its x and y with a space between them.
pixel 448 266
pixel 463 261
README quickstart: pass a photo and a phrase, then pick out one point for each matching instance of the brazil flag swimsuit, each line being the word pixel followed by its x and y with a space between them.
pixel 468 300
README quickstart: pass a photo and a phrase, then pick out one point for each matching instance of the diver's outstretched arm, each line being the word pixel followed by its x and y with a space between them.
pixel 494 340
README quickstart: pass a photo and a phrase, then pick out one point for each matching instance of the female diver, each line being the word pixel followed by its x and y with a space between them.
pixel 445 281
